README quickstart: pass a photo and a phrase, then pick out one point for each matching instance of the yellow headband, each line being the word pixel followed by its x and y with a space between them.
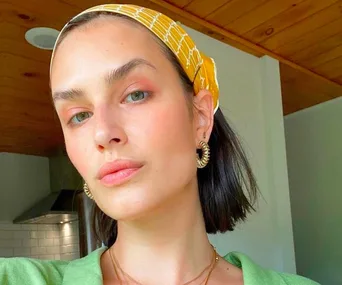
pixel 200 69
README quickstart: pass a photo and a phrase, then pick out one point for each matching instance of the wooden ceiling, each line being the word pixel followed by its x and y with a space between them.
pixel 304 35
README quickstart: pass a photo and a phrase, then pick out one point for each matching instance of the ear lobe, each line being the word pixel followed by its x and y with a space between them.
pixel 203 106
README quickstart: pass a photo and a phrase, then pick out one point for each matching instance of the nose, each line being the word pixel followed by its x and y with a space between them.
pixel 108 131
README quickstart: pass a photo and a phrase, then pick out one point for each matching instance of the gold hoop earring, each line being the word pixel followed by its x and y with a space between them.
pixel 203 161
pixel 87 191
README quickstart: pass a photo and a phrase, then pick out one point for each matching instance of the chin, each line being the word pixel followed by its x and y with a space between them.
pixel 129 204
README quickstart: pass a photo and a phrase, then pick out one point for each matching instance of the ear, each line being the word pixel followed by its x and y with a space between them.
pixel 203 115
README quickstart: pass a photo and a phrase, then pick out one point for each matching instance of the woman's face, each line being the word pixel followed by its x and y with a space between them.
pixel 126 122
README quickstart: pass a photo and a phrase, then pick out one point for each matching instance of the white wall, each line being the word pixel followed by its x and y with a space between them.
pixel 63 175
pixel 251 99
pixel 24 179
pixel 314 149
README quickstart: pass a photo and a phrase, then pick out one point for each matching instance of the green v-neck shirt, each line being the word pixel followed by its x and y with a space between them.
pixel 87 271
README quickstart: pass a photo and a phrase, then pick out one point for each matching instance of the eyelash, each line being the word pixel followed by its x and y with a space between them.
pixel 146 93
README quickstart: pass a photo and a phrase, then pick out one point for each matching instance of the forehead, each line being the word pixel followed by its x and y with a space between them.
pixel 104 41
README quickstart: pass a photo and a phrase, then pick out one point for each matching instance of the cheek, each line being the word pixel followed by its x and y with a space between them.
pixel 168 130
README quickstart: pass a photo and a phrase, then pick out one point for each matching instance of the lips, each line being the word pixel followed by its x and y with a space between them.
pixel 118 172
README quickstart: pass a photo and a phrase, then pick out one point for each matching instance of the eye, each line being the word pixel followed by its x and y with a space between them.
pixel 79 118
pixel 136 96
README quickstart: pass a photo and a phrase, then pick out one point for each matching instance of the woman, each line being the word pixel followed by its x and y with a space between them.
pixel 136 100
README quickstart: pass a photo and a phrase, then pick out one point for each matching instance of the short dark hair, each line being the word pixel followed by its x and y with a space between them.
pixel 227 186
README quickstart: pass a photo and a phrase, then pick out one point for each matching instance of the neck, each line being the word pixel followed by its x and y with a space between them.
pixel 169 244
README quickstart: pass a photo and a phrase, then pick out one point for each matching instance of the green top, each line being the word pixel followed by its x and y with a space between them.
pixel 87 271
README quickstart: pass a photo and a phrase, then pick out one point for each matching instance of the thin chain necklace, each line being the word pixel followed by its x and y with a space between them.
pixel 211 266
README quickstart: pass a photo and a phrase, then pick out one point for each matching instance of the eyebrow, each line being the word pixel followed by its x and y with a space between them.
pixel 69 95
pixel 124 70
pixel 112 76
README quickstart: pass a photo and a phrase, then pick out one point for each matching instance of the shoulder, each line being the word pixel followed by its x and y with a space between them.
pixel 28 271
pixel 18 270
pixel 255 274
pixel 86 270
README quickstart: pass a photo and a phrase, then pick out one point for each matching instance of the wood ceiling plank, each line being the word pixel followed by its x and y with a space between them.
pixel 28 150
pixel 307 91
pixel 331 69
pixel 27 111
pixel 10 12
pixel 11 31
pixel 300 101
pixel 260 14
pixel 38 96
pixel 33 150
pixel 20 110
pixel 27 84
pixel 324 57
pixel 179 3
pixel 19 94
pixel 56 16
pixel 232 11
pixel 28 18
pixel 12 40
pixel 300 91
pixel 18 66
pixel 84 4
pixel 317 49
pixel 203 8
pixel 37 128
pixel 34 128
pixel 339 80
pixel 28 142
pixel 25 134
pixel 23 49
pixel 311 38
pixel 59 10
pixel 299 29
pixel 286 19
pixel 30 137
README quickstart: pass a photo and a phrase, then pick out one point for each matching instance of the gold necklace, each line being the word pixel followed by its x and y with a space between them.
pixel 212 265
pixel 112 259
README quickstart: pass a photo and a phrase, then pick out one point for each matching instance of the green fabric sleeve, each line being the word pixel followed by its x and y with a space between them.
pixel 26 271
pixel 254 274
pixel 291 279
